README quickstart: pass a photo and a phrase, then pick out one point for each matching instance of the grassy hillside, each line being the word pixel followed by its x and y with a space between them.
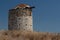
pixel 24 35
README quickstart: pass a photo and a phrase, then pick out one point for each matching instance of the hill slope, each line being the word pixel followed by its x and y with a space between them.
pixel 24 35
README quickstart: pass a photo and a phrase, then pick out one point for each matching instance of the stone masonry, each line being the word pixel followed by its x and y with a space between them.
pixel 20 18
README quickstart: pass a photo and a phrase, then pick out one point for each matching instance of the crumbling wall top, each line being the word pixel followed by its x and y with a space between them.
pixel 22 6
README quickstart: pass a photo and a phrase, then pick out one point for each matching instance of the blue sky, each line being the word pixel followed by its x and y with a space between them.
pixel 46 15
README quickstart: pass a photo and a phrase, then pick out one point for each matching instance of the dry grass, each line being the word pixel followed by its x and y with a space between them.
pixel 24 35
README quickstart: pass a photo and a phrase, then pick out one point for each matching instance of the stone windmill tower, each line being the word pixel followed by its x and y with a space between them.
pixel 20 18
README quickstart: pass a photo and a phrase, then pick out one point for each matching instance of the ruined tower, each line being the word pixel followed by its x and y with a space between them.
pixel 20 18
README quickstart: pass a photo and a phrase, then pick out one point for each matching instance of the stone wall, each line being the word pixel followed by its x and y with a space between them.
pixel 20 19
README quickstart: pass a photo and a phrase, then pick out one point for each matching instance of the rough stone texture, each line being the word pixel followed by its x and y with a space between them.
pixel 20 18
pixel 25 23
pixel 26 35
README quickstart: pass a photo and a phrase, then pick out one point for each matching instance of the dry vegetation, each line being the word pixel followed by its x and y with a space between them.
pixel 23 35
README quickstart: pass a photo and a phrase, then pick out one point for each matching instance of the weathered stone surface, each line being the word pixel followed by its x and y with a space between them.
pixel 20 18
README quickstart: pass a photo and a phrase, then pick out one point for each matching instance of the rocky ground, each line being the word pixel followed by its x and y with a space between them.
pixel 25 35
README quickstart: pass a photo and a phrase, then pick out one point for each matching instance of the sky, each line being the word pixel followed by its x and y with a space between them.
pixel 46 14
